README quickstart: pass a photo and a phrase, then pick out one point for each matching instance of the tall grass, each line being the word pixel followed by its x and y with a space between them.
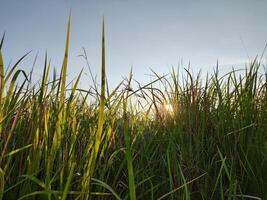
pixel 125 144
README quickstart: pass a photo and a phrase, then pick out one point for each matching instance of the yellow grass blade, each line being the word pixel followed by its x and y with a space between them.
pixel 64 66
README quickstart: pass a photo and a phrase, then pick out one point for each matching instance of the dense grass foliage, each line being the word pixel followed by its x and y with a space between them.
pixel 193 138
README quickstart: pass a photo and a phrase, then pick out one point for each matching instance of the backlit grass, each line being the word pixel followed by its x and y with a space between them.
pixel 198 137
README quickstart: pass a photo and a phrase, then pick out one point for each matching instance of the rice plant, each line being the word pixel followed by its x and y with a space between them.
pixel 194 137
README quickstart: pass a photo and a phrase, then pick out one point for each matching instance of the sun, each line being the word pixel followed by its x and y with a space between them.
pixel 168 108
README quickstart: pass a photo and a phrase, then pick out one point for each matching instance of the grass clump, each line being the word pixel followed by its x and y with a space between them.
pixel 192 138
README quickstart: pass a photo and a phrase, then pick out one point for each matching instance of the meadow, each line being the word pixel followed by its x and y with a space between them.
pixel 195 137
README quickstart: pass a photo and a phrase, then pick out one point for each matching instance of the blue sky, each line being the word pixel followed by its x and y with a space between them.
pixel 143 34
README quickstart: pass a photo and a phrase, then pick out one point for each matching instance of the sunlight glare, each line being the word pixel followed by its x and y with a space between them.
pixel 168 108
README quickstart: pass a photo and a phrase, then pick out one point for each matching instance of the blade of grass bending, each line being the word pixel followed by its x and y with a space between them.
pixel 74 88
pixel 13 82
pixel 103 184
pixel 9 134
pixel 36 193
pixel 9 74
pixel 35 180
pixel 16 151
pixel 167 194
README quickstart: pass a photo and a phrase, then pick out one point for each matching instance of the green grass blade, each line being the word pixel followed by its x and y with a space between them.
pixel 103 184
pixel 128 145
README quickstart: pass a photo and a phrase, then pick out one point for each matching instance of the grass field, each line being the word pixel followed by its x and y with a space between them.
pixel 197 137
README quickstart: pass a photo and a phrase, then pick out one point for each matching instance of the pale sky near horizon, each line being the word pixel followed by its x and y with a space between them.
pixel 143 34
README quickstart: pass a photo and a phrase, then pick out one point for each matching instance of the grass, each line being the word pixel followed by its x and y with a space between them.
pixel 125 144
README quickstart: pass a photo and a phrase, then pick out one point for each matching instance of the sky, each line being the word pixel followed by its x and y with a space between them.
pixel 140 34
